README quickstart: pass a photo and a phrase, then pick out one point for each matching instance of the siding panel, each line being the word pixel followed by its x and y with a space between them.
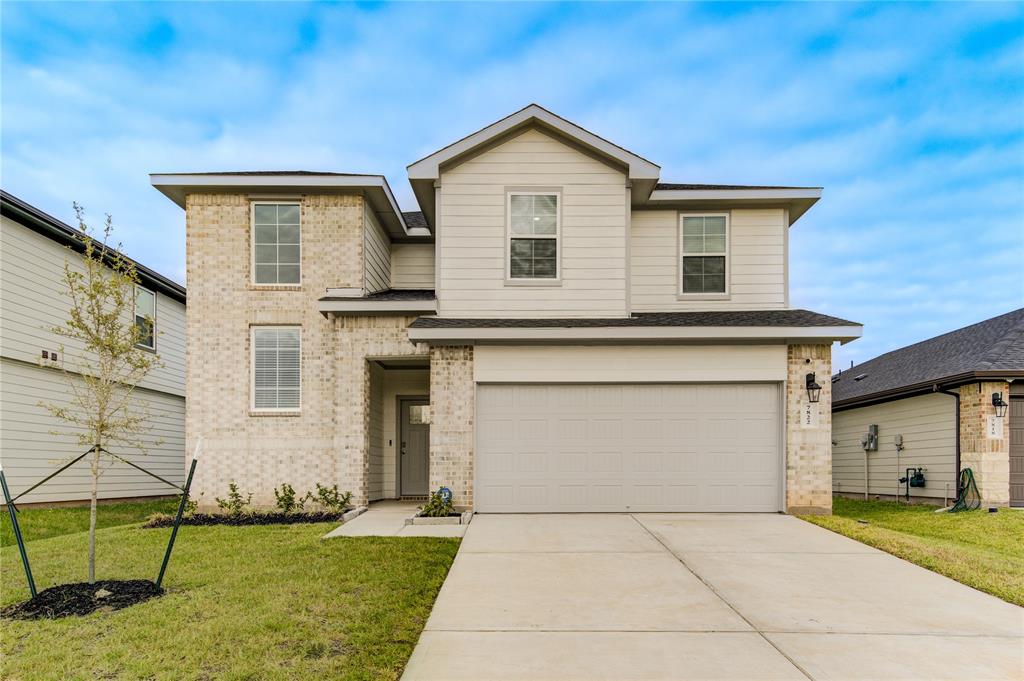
pixel 928 426
pixel 377 262
pixel 412 266
pixel 757 263
pixel 471 281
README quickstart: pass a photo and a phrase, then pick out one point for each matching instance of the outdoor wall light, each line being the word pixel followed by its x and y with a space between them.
pixel 999 404
pixel 813 389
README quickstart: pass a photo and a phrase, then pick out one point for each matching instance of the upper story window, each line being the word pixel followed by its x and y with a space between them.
pixel 533 232
pixel 704 247
pixel 276 248
pixel 145 317
pixel 276 368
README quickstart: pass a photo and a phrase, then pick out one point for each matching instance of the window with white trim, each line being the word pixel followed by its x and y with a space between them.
pixel 276 368
pixel 145 318
pixel 703 244
pixel 533 235
pixel 276 249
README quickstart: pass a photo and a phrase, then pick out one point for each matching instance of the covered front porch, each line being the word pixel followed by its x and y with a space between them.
pixel 398 432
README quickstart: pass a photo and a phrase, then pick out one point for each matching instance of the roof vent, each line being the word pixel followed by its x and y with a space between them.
pixel 860 377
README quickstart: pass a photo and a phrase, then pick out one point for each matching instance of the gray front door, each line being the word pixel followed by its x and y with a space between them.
pixel 1017 451
pixel 413 447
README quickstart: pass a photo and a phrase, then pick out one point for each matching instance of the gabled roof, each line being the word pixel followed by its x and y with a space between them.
pixel 643 174
pixel 43 223
pixel 990 349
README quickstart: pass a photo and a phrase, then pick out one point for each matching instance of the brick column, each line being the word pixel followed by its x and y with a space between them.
pixel 808 433
pixel 985 453
pixel 453 417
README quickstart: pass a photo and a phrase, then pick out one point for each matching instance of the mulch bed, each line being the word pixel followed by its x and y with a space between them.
pixel 83 598
pixel 251 519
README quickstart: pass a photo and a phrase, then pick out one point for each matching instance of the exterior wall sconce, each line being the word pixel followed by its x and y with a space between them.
pixel 813 389
pixel 1000 404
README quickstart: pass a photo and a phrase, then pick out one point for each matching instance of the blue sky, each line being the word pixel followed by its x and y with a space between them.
pixel 910 116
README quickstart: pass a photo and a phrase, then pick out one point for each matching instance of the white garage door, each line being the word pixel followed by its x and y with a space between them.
pixel 601 447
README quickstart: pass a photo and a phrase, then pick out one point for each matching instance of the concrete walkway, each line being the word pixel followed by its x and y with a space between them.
pixel 387 519
pixel 672 596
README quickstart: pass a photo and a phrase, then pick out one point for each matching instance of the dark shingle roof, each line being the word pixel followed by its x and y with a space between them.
pixel 738 318
pixel 390 294
pixel 697 187
pixel 414 219
pixel 996 344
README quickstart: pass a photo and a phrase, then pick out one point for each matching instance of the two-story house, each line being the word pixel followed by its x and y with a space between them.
pixel 36 364
pixel 555 330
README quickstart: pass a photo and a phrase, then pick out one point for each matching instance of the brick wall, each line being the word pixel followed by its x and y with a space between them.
pixel 988 458
pixel 453 419
pixel 808 446
pixel 261 452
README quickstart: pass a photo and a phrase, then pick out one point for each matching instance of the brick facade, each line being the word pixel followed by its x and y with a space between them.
pixel 452 428
pixel 261 452
pixel 988 457
pixel 808 439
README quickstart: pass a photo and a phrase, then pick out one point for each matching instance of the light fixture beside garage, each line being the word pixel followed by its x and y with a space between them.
pixel 813 389
pixel 1000 404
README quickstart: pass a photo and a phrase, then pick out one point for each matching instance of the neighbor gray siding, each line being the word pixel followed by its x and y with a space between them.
pixel 377 258
pixel 33 300
pixel 928 426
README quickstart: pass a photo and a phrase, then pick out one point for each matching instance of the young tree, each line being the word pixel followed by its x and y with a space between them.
pixel 106 363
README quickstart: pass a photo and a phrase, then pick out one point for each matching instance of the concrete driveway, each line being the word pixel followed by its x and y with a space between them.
pixel 683 596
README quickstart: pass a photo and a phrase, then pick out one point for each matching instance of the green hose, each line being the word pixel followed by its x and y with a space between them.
pixel 969 499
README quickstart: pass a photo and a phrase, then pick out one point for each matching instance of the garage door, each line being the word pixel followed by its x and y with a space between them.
pixel 590 447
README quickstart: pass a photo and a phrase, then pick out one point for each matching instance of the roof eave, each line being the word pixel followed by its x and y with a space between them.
pixel 797 200
pixel 176 186
pixel 637 334
pixel 922 387
pixel 352 307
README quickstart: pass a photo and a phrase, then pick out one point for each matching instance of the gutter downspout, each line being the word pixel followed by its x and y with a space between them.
pixel 956 396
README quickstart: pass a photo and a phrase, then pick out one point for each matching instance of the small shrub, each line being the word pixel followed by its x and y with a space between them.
pixel 287 502
pixel 235 505
pixel 190 506
pixel 330 498
pixel 438 506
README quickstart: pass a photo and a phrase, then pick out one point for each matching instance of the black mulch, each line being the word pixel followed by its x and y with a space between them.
pixel 250 519
pixel 83 598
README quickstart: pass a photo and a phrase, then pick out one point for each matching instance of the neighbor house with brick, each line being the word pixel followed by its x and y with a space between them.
pixel 555 329
pixel 36 365
pixel 951 402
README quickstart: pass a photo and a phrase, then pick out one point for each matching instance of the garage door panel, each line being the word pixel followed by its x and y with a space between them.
pixel 574 448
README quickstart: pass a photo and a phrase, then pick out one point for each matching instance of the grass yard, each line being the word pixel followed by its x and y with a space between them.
pixel 980 549
pixel 43 523
pixel 267 602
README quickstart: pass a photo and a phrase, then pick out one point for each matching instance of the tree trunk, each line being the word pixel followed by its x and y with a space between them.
pixel 92 513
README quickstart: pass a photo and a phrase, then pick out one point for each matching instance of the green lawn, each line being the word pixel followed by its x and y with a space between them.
pixel 273 602
pixel 980 549
pixel 43 523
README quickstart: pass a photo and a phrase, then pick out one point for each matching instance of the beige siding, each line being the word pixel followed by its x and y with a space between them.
pixel 472 233
pixel 34 299
pixel 412 266
pixel 757 262
pixel 629 364
pixel 30 451
pixel 928 426
pixel 377 258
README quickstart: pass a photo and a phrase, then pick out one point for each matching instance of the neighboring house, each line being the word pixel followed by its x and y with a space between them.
pixel 939 398
pixel 586 337
pixel 34 248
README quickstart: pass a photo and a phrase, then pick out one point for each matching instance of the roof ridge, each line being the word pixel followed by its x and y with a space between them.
pixel 1004 344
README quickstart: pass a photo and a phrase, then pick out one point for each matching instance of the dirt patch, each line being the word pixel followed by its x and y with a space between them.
pixel 82 598
pixel 250 519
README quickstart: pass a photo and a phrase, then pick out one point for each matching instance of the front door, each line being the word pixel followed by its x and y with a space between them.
pixel 1017 451
pixel 413 448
